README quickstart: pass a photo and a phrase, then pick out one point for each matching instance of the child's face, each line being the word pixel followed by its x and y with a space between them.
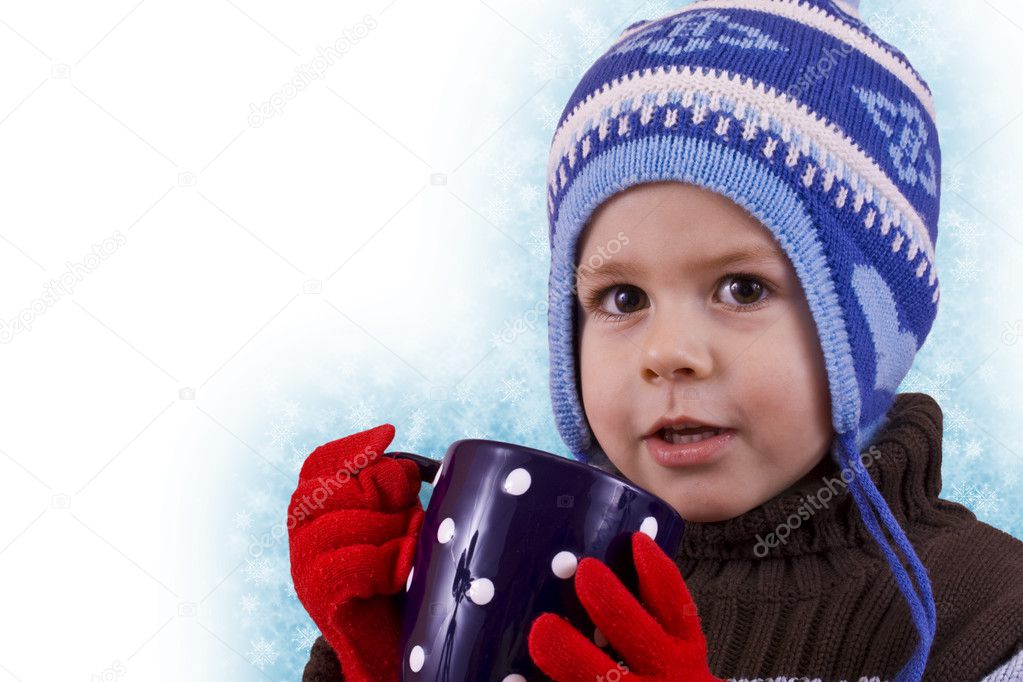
pixel 676 334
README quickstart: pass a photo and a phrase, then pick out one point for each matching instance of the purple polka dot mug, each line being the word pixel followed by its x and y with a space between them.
pixel 505 527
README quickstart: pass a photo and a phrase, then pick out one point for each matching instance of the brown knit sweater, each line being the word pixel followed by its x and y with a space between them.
pixel 823 604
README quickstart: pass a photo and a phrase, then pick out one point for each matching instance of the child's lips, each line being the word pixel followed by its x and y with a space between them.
pixel 678 420
pixel 671 454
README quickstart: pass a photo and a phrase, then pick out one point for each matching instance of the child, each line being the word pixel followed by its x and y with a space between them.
pixel 743 199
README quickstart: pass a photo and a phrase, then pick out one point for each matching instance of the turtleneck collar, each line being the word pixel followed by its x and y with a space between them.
pixel 819 514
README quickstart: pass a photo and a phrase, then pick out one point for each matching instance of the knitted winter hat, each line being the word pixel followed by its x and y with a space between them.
pixel 798 112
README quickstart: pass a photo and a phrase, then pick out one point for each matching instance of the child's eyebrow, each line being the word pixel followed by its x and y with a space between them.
pixel 751 254
pixel 609 269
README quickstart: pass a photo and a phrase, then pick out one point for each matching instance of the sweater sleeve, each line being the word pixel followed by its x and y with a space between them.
pixel 1010 671
pixel 323 665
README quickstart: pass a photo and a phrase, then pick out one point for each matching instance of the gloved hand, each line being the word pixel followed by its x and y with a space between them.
pixel 665 644
pixel 353 524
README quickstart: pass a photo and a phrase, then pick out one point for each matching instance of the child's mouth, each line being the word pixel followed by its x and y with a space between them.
pixel 682 447
pixel 689 434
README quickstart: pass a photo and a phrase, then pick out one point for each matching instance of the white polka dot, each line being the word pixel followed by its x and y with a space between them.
pixel 564 564
pixel 649 526
pixel 446 531
pixel 599 638
pixel 408 583
pixel 416 658
pixel 514 677
pixel 517 482
pixel 481 591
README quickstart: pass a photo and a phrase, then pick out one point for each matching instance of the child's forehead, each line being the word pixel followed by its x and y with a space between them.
pixel 705 258
pixel 663 209
pixel 633 229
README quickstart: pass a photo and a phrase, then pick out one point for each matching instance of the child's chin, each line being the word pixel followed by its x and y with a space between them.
pixel 696 510
pixel 703 517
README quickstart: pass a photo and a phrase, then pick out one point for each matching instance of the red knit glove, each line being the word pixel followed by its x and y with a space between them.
pixel 664 645
pixel 353 526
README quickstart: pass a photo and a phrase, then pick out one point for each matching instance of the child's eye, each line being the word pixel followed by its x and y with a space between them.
pixel 748 291
pixel 621 299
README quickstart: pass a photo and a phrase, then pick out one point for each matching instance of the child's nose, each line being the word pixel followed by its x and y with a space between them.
pixel 674 347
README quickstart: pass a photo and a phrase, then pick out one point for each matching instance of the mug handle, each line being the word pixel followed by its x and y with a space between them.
pixel 428 467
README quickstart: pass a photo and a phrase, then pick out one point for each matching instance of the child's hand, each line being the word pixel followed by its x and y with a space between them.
pixel 353 525
pixel 664 644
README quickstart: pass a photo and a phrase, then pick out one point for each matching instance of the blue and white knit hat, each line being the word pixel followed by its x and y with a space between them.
pixel 798 112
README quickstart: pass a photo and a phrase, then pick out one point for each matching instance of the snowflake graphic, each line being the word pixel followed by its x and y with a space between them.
pixel 504 172
pixel 986 500
pixel 538 243
pixel 262 653
pixel 955 420
pixel 972 450
pixel 954 182
pixel 498 210
pixel 415 429
pixel 552 43
pixel 967 234
pixel 982 499
pixel 526 423
pixel 961 493
pixel 965 270
pixel 548 115
pixel 249 603
pixel 282 434
pixel 513 390
pixel 258 571
pixel 543 66
pixel 410 398
pixel 948 366
pixel 919 30
pixel 304 637
pixel 591 41
pixel 418 416
pixel 591 34
pixel 531 195
pixel 504 337
pixel 463 394
pixel 938 388
pixel 243 520
pixel 360 416
pixel 885 24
